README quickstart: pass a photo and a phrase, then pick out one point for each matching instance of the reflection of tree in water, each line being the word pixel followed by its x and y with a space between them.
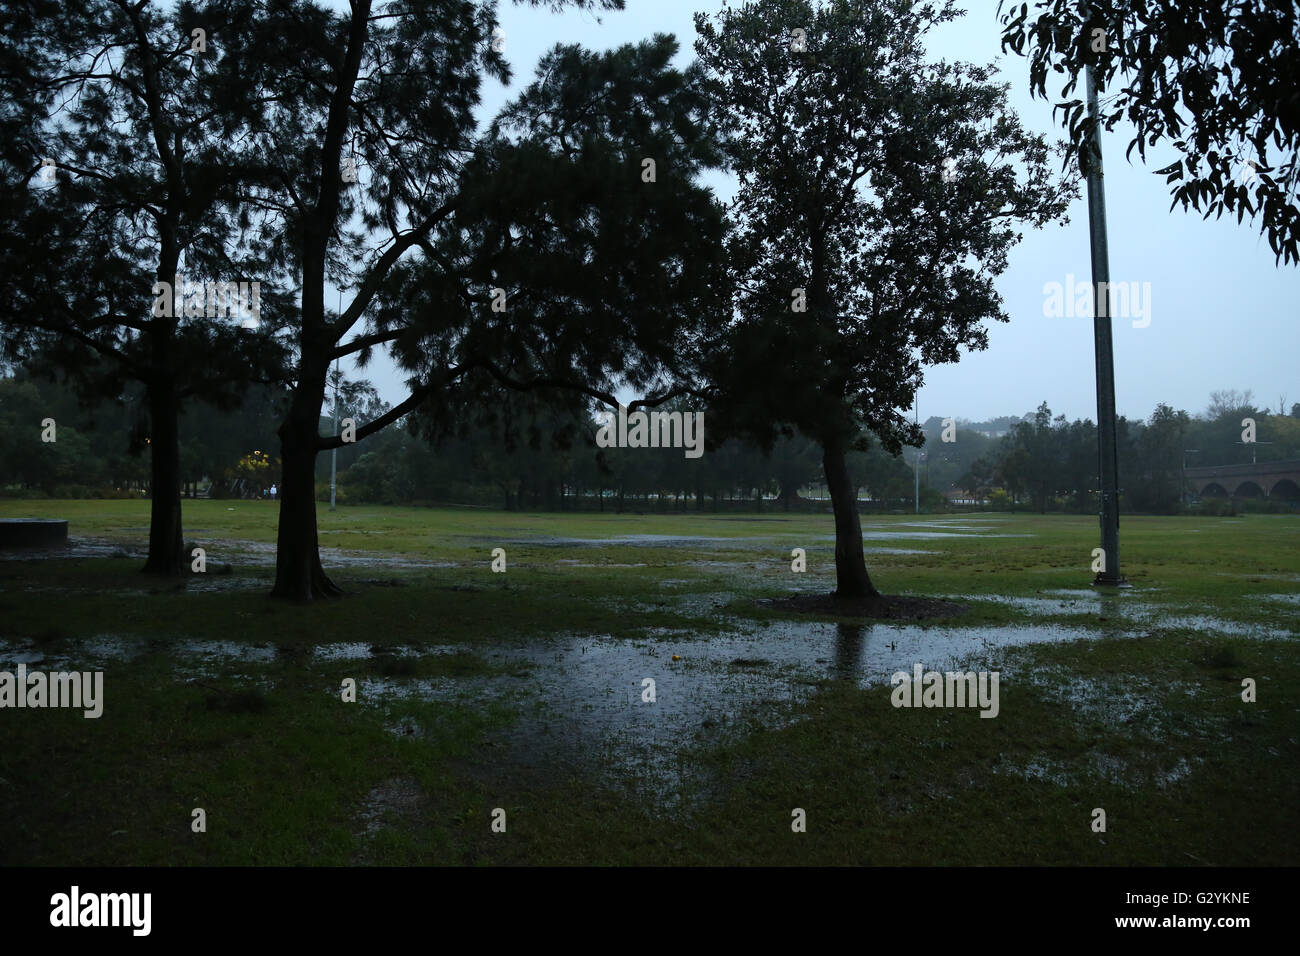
pixel 849 642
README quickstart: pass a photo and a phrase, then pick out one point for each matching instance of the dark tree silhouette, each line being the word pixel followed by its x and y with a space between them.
pixel 389 192
pixel 120 168
pixel 879 196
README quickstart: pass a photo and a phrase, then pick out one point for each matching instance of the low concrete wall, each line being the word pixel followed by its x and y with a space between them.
pixel 32 532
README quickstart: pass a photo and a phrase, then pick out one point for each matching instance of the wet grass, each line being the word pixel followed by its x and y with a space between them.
pixel 1144 719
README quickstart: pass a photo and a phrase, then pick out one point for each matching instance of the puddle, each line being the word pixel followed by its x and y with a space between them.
pixel 9 659
pixel 1247 574
pixel 108 648
pixel 219 551
pixel 1124 608
pixel 1121 594
pixel 583 695
pixel 1203 622
pixel 631 540
pixel 365 650
pixel 72 653
pixel 223 650
pixel 780 559
pixel 1137 774
pixel 376 690
pixel 1131 702
pixel 1037 605
pixel 262 554
pixel 974 536
pixel 581 705
pixel 963 524
pixel 355 651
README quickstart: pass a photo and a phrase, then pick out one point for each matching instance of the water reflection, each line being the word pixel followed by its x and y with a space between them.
pixel 850 639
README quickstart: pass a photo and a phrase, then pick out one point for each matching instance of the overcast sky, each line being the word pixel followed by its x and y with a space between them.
pixel 1222 314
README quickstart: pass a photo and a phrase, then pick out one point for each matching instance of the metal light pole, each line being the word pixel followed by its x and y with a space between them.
pixel 1108 453
pixel 916 470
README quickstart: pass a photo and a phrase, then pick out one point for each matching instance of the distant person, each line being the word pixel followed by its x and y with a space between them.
pixel 273 492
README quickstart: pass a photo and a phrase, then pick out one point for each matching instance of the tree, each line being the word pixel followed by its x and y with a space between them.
pixel 215 439
pixel 1229 402
pixel 1160 448
pixel 977 480
pixel 390 193
pixel 26 457
pixel 794 463
pixel 1042 455
pixel 120 159
pixel 1214 80
pixel 879 195
pixel 1079 461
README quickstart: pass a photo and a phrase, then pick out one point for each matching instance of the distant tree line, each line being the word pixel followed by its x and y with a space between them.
pixel 1047 463
pixel 527 454
pixel 515 453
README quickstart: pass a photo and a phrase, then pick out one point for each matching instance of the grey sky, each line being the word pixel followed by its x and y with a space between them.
pixel 1222 315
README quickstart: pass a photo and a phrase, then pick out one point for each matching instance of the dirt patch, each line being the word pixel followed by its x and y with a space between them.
pixel 886 607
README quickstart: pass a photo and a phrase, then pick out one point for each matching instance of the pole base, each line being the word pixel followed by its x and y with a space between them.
pixel 1110 581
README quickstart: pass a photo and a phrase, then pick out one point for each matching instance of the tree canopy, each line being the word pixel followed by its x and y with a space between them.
pixel 879 196
pixel 537 253
pixel 1216 81
pixel 121 168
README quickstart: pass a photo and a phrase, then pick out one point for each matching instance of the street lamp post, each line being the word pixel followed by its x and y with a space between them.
pixel 1108 452
pixel 920 457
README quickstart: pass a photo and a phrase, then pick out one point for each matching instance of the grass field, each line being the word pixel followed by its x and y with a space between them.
pixel 523 691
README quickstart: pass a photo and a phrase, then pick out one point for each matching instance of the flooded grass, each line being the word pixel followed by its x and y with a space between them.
pixel 526 692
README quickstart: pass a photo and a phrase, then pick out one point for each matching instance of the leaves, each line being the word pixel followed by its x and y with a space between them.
pixel 1215 80
pixel 843 194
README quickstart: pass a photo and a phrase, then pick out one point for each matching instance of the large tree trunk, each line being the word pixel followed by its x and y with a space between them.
pixel 298 572
pixel 166 539
pixel 851 579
